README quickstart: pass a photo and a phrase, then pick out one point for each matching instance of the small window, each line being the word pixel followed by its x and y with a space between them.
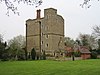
pixel 46 36
pixel 60 37
pixel 42 42
pixel 42 50
pixel 46 28
pixel 42 25
pixel 39 23
pixel 47 45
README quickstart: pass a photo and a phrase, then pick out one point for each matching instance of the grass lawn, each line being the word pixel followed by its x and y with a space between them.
pixel 47 67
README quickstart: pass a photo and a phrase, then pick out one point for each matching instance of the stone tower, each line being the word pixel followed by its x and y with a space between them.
pixel 46 33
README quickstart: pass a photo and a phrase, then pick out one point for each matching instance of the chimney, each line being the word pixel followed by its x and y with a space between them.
pixel 38 14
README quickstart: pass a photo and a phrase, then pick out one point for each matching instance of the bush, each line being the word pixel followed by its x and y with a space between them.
pixel 33 54
pixel 21 55
pixel 77 54
pixel 94 54
pixel 44 56
pixel 98 51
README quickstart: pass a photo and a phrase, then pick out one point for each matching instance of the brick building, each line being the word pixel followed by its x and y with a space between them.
pixel 46 33
pixel 85 53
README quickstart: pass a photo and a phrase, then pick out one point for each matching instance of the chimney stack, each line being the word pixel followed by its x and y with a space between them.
pixel 38 14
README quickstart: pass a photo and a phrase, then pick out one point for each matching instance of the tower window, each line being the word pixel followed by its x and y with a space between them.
pixel 42 42
pixel 39 23
pixel 46 36
pixel 47 45
pixel 46 28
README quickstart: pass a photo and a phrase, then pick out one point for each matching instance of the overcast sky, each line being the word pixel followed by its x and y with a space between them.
pixel 77 20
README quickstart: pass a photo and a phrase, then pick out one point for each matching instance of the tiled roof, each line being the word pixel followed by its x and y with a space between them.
pixel 84 50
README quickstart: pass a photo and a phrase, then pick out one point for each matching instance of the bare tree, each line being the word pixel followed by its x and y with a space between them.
pixel 96 31
pixel 88 40
pixel 10 4
pixel 87 3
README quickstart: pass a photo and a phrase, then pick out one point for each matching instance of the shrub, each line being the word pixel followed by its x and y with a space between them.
pixel 77 54
pixel 44 56
pixel 94 54
pixel 98 51
pixel 33 54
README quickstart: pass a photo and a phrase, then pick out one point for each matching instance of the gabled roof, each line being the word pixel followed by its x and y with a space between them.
pixel 84 50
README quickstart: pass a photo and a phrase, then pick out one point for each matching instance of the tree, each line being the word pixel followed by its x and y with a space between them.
pixel 16 47
pixel 88 40
pixel 83 39
pixel 78 42
pixel 87 3
pixel 33 54
pixel 98 50
pixel 3 50
pixel 99 44
pixel 10 4
pixel 96 31
pixel 69 42
pixel 1 38
pixel 1 46
pixel 94 54
pixel 96 34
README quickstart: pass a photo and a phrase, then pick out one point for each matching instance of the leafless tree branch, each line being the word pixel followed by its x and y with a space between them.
pixel 86 3
pixel 96 31
pixel 10 4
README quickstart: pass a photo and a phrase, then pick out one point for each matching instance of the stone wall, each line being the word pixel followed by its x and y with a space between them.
pixel 45 34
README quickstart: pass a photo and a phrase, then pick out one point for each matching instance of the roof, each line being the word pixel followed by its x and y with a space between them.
pixel 69 49
pixel 84 50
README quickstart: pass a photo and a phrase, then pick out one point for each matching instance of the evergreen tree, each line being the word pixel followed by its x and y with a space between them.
pixel 44 56
pixel 33 54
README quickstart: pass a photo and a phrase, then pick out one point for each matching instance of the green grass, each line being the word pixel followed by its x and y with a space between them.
pixel 80 67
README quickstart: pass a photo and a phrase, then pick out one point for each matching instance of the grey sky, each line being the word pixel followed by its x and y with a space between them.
pixel 77 19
